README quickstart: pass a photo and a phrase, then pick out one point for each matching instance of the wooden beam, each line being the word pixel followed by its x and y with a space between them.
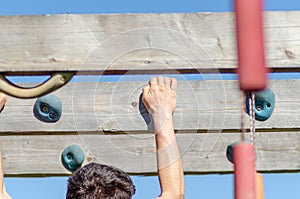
pixel 202 106
pixel 118 43
pixel 201 153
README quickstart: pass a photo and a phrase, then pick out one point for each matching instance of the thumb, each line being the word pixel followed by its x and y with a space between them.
pixel 146 91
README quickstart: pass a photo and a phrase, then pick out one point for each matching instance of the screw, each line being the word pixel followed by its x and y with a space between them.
pixel 134 104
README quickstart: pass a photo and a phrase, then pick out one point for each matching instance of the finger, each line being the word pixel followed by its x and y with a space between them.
pixel 146 90
pixel 1 108
pixel 153 81
pixel 167 81
pixel 174 84
pixel 2 101
pixel 160 81
pixel 2 95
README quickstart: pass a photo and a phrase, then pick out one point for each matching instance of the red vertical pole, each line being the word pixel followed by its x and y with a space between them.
pixel 251 54
pixel 252 77
pixel 244 171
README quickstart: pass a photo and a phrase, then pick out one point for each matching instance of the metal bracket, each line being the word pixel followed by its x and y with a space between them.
pixel 56 81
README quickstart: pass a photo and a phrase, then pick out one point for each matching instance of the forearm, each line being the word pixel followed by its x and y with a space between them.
pixel 169 163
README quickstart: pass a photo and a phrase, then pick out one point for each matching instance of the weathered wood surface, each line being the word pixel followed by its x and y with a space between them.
pixel 201 105
pixel 205 106
pixel 201 153
pixel 144 43
pixel 138 41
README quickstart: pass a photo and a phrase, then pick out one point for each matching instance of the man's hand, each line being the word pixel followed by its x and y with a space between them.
pixel 3 98
pixel 3 193
pixel 159 98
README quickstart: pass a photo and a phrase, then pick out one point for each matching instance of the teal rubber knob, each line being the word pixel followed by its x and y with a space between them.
pixel 229 150
pixel 72 158
pixel 48 108
pixel 264 104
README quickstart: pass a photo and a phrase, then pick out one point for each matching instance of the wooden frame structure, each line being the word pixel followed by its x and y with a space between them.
pixel 107 119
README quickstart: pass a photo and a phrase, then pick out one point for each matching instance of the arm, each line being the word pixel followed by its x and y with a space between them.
pixel 159 98
pixel 3 193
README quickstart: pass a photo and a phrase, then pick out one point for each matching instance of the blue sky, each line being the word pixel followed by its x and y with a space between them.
pixel 277 186
pixel 20 7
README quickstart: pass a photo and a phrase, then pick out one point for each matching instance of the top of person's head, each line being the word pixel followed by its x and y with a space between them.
pixel 97 181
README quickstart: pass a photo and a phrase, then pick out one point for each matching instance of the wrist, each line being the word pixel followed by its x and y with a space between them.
pixel 161 116
pixel 161 123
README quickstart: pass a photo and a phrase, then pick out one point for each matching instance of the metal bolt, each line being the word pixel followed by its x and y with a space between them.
pixel 134 104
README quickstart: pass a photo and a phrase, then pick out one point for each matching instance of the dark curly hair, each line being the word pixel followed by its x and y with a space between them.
pixel 97 181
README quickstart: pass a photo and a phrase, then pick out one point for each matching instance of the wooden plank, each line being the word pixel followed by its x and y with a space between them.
pixel 138 42
pixel 205 106
pixel 201 153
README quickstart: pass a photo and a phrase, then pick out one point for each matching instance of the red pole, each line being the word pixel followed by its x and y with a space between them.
pixel 244 171
pixel 251 54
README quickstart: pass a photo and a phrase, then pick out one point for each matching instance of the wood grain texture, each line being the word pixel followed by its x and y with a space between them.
pixel 202 106
pixel 201 153
pixel 138 42
pixel 207 119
